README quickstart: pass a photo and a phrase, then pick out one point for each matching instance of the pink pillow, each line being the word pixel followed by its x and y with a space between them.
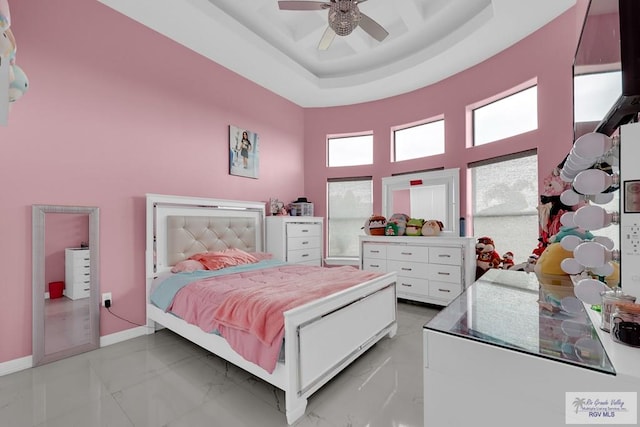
pixel 222 259
pixel 262 255
pixel 187 266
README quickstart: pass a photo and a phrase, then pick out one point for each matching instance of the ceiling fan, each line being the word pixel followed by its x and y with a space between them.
pixel 344 17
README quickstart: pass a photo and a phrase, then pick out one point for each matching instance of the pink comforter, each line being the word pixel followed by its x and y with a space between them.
pixel 247 308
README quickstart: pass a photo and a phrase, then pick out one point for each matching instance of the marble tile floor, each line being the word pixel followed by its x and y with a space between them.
pixel 164 380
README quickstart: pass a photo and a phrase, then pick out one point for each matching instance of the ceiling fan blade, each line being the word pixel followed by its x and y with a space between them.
pixel 372 28
pixel 326 39
pixel 303 5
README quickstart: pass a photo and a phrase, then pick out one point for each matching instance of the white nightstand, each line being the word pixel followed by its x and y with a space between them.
pixel 295 239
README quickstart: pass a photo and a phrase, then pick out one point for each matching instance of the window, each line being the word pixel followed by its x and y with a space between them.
pixel 421 140
pixel 505 200
pixel 350 150
pixel 509 116
pixel 594 94
pixel 349 204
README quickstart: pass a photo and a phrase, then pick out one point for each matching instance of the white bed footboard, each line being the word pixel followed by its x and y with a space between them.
pixel 325 336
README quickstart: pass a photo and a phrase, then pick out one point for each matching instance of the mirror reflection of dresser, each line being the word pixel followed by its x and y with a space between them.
pixel 66 309
pixel 77 272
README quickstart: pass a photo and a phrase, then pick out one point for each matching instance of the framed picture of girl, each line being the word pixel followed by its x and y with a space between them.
pixel 243 152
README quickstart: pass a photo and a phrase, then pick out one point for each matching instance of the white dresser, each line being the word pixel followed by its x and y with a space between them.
pixel 295 239
pixel 434 270
pixel 77 272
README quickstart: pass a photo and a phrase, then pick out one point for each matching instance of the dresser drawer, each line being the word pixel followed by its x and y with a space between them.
pixel 442 255
pixel 444 290
pixel 445 273
pixel 412 285
pixel 302 230
pixel 79 269
pixel 370 250
pixel 406 268
pixel 307 242
pixel 408 253
pixel 374 264
pixel 304 256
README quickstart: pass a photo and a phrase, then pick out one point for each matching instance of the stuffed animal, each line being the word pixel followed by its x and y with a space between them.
pixel 375 225
pixel 5 15
pixel 486 256
pixel 414 227
pixel 19 85
pixel 551 209
pixel 528 265
pixel 400 220
pixel 548 264
pixel 507 261
pixel 432 227
pixel 18 81
pixel 391 229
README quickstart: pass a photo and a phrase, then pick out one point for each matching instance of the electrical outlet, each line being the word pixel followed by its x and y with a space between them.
pixel 106 296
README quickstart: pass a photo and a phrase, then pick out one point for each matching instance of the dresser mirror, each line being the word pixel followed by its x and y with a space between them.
pixel 66 310
pixel 425 195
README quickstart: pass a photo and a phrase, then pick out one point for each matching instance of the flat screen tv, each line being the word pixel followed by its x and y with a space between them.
pixel 610 43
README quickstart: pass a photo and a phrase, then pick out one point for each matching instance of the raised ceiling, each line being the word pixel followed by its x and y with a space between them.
pixel 428 41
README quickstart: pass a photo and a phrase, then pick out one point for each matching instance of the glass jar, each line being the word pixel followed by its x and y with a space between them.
pixel 609 301
pixel 625 324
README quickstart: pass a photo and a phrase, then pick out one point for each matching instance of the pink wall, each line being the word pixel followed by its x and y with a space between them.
pixel 112 108
pixel 547 56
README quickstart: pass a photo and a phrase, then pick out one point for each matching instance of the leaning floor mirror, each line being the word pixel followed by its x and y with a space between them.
pixel 65 266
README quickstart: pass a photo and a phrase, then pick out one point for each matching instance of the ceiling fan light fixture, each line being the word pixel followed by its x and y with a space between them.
pixel 344 17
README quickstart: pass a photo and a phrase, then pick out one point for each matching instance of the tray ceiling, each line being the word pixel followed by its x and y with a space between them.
pixel 428 41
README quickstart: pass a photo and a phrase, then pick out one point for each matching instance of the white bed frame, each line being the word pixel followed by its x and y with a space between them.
pixel 321 337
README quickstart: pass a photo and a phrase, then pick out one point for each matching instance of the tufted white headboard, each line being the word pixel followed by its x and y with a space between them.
pixel 178 227
pixel 189 235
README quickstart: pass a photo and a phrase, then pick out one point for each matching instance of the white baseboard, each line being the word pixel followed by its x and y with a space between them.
pixel 23 363
pixel 16 365
pixel 122 336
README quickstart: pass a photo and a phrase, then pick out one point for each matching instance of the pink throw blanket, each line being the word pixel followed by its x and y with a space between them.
pixel 247 308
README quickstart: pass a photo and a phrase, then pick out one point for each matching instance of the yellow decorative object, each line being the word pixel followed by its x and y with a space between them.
pixel 613 280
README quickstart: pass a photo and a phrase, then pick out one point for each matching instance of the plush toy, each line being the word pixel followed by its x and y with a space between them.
pixel 507 261
pixel 5 15
pixel 551 209
pixel 548 265
pixel 391 229
pixel 375 225
pixel 432 227
pixel 555 283
pixel 613 280
pixel 486 256
pixel 7 45
pixel 414 227
pixel 528 265
pixel 19 85
pixel 18 81
pixel 400 220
